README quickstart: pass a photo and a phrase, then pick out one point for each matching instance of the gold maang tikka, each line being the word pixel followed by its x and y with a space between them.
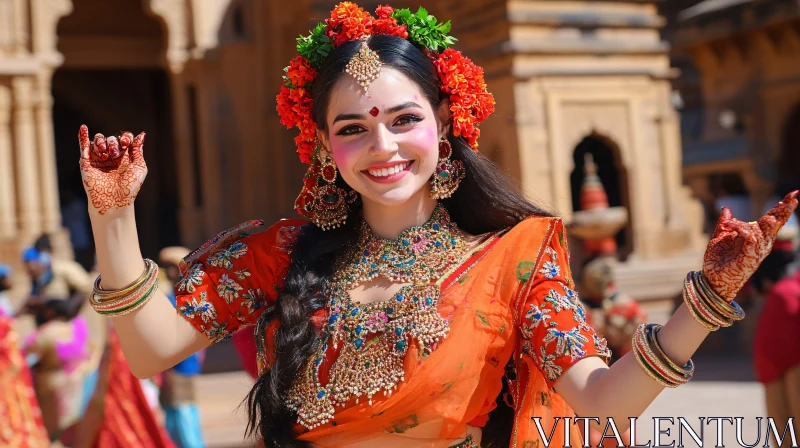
pixel 364 66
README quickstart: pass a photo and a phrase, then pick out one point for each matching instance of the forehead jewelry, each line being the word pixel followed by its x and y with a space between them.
pixel 374 111
pixel 364 66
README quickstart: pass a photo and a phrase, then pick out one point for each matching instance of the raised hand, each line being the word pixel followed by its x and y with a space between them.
pixel 738 248
pixel 112 169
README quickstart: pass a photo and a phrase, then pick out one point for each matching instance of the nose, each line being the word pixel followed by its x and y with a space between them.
pixel 384 141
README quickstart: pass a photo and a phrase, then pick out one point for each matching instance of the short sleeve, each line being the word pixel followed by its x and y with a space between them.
pixel 232 279
pixel 552 320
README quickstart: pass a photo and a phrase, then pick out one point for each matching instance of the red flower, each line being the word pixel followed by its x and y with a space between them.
pixel 470 102
pixel 348 22
pixel 294 108
pixel 288 117
pixel 389 27
pixel 300 72
pixel 384 12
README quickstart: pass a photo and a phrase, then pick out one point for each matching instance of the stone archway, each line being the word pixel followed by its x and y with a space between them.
pixel 612 174
pixel 114 78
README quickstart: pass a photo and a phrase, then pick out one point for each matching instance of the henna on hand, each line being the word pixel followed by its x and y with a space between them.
pixel 112 169
pixel 737 248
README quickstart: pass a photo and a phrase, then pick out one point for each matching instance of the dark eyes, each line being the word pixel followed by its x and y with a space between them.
pixel 407 119
pixel 403 120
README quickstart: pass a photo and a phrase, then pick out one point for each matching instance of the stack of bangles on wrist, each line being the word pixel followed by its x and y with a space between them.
pixel 119 302
pixel 707 307
pixel 655 363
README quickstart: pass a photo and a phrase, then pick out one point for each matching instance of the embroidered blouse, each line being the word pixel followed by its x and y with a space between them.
pixel 510 305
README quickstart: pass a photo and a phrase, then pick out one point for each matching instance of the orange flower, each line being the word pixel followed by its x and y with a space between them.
pixel 470 102
pixel 300 72
pixel 348 22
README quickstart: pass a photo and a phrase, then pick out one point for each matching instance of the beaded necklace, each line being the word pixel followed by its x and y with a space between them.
pixel 375 337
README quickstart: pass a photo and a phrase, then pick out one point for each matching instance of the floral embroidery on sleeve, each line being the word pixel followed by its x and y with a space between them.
pixel 554 330
pixel 222 286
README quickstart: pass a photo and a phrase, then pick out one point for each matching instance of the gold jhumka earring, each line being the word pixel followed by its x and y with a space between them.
pixel 364 66
pixel 449 173
pixel 321 200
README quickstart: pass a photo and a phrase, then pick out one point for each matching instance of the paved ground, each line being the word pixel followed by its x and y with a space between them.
pixel 722 387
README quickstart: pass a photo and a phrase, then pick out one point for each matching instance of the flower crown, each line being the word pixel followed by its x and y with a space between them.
pixel 460 78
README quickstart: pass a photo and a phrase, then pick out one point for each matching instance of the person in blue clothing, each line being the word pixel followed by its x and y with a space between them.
pixel 177 390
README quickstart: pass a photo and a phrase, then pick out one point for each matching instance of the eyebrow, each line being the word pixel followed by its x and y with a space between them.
pixel 399 107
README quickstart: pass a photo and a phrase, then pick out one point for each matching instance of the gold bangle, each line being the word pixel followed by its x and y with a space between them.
pixel 646 367
pixel 131 302
pixel 690 306
pixel 702 307
pixel 135 305
pixel 730 310
pixel 652 333
pixel 99 291
pixel 657 363
pixel 102 305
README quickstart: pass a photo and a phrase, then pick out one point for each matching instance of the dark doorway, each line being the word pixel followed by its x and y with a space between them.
pixel 110 102
pixel 613 176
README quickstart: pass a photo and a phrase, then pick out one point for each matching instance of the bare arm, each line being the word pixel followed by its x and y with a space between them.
pixel 153 337
pixel 624 390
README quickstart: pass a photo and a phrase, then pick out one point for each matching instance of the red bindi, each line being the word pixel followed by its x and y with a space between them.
pixel 374 111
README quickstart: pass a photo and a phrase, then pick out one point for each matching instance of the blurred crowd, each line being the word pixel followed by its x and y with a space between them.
pixel 64 380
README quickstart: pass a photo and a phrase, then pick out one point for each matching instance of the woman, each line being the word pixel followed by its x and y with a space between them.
pixel 351 309
pixel 59 352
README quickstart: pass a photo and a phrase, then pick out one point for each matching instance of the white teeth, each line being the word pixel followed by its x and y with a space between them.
pixel 383 172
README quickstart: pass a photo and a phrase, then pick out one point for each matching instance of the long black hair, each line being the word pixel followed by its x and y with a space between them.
pixel 487 200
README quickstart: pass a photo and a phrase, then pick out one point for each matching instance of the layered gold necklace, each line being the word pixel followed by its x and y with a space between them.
pixel 375 337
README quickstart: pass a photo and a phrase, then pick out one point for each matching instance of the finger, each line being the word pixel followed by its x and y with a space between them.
pixel 725 217
pixel 777 216
pixel 125 141
pixel 137 149
pixel 83 141
pixel 745 230
pixel 99 147
pixel 113 147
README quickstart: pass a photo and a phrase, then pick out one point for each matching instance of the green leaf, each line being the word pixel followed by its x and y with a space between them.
pixel 315 47
pixel 524 270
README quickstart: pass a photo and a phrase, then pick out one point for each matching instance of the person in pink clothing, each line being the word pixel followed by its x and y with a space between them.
pixel 58 352
pixel 776 347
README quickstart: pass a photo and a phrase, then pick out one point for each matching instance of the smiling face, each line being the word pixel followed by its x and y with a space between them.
pixel 385 143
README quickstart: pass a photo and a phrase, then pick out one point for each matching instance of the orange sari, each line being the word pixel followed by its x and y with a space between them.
pixel 511 299
pixel 21 424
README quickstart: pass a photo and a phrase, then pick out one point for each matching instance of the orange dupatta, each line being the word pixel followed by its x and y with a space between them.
pixel 491 301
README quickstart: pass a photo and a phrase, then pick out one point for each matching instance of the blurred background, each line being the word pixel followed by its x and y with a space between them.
pixel 634 120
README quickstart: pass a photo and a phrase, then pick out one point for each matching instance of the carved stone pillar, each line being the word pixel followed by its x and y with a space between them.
pixel 8 203
pixel 48 180
pixel 190 220
pixel 20 28
pixel 25 155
